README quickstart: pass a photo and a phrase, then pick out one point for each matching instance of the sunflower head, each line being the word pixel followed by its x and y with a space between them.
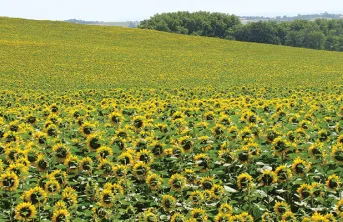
pixel 268 178
pixel 60 215
pixel 196 197
pixel 300 166
pixel 283 173
pixel 304 191
pixel 141 170
pixel 154 181
pixel 177 217
pixel 9 181
pixel 177 182
pixel 168 202
pixel 244 181
pixel 199 214
pixel 333 182
pixel 288 216
pixel 281 207
pixel 35 196
pixel 25 211
pixel 225 208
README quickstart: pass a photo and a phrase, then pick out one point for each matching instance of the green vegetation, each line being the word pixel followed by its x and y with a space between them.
pixel 117 124
pixel 59 55
pixel 318 34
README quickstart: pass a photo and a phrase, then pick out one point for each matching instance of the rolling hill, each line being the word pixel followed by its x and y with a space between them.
pixel 45 54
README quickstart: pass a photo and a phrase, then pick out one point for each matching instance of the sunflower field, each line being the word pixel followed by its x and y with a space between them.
pixel 148 130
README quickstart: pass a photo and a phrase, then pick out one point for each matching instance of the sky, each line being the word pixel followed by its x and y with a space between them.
pixel 137 10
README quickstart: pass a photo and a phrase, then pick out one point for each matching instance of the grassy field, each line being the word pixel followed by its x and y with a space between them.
pixel 118 124
pixel 76 56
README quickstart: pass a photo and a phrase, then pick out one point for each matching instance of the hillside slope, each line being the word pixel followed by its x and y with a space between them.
pixel 45 54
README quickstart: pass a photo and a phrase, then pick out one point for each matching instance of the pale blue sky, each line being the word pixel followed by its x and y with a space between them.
pixel 125 10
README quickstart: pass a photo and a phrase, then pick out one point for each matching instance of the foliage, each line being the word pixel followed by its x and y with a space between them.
pixel 318 34
pixel 235 132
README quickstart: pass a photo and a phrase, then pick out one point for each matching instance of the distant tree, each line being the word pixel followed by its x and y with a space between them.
pixel 314 40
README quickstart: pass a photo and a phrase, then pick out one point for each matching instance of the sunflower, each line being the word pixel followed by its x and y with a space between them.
pixel 281 207
pixel 150 216
pixel 217 191
pixel 42 163
pixel 268 178
pixel 100 212
pixel 304 191
pixel 144 156
pixel 196 197
pixel 12 154
pixel 120 171
pixel 103 152
pixel 60 205
pixel 316 150
pixel 226 156
pixel 244 181
pixel 190 175
pixel 69 196
pixel 25 211
pixel 60 215
pixel 288 216
pixel 218 129
pixel 300 166
pixel 61 152
pixel 157 148
pixel 207 183
pixel 86 164
pixel 94 141
pixel 72 164
pixel 247 217
pixel 283 173
pixel 106 167
pixel 52 187
pixel 60 176
pixel 154 181
pixel 333 182
pixel 220 217
pixel 202 160
pixel 198 214
pixel 125 158
pixel 337 152
pixel 116 117
pixel 316 189
pixel 168 202
pixel 280 146
pixel 330 217
pixel 32 154
pixel 87 129
pixel 9 181
pixel 339 206
pixel 18 168
pixel 177 182
pixel 141 170
pixel 177 217
pixel 36 196
pixel 317 217
pixel 225 208
pixel 244 155
pixel 186 143
pixel 177 151
pixel 107 198
pixel 267 217
pixel 306 219
pixel 138 121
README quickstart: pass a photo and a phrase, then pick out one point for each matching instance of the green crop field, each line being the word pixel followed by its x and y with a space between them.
pixel 118 124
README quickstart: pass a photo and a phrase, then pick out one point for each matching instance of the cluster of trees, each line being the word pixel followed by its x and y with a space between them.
pixel 318 34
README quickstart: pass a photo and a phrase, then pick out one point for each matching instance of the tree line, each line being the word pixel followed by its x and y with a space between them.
pixel 319 34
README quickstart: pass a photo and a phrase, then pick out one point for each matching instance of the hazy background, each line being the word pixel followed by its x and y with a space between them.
pixel 114 10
